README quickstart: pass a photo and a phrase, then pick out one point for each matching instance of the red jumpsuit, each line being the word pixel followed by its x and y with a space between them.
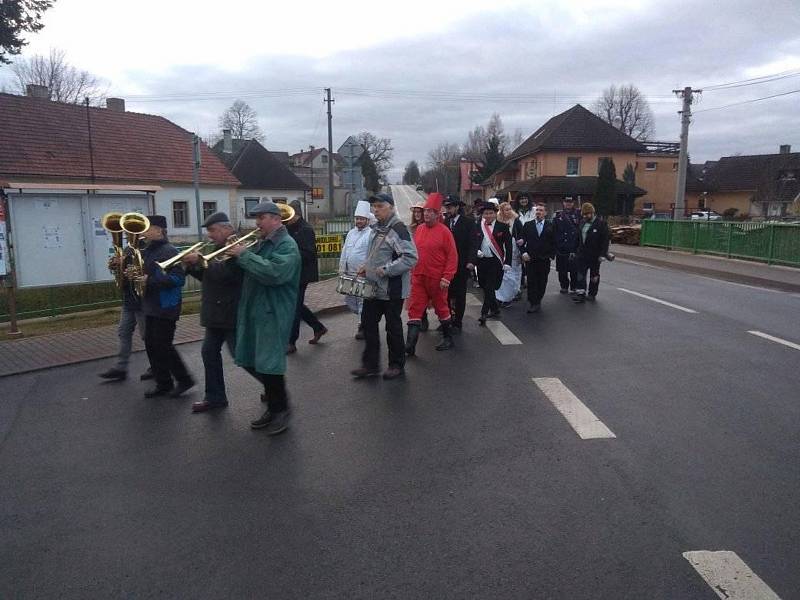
pixel 438 259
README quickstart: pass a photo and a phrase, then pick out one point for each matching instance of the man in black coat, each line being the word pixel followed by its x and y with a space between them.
pixel 306 240
pixel 538 249
pixel 222 285
pixel 567 224
pixel 594 237
pixel 463 228
pixel 491 253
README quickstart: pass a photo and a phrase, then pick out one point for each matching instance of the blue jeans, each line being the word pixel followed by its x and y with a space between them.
pixel 212 362
pixel 129 318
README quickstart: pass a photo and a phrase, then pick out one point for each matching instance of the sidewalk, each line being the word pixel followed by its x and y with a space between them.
pixel 729 269
pixel 45 351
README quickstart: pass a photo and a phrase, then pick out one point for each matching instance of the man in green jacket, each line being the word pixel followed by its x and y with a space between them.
pixel 266 311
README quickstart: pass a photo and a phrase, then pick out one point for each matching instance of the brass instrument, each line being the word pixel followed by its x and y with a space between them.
pixel 249 239
pixel 110 223
pixel 134 225
pixel 165 265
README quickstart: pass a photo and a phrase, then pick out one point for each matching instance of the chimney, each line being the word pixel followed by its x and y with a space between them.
pixel 227 141
pixel 117 104
pixel 37 91
pixel 785 149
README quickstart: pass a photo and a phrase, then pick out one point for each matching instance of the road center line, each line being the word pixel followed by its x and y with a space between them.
pixel 772 338
pixel 664 302
pixel 729 576
pixel 503 333
pixel 582 420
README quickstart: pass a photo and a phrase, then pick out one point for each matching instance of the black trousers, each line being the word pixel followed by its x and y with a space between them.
pixel 164 358
pixel 538 270
pixel 371 314
pixel 274 390
pixel 457 296
pixel 590 266
pixel 567 272
pixel 303 313
pixel 490 275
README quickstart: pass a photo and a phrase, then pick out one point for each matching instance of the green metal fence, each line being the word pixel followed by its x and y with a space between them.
pixel 773 243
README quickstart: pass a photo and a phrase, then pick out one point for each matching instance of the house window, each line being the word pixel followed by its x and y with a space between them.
pixel 573 166
pixel 674 166
pixel 180 213
pixel 317 193
pixel 648 206
pixel 249 205
pixel 533 169
pixel 600 162
pixel 209 208
pixel 324 159
pixel 650 166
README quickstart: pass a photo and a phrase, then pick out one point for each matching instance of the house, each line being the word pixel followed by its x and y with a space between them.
pixel 312 168
pixel 262 175
pixel 64 166
pixel 563 158
pixel 467 190
pixel 761 186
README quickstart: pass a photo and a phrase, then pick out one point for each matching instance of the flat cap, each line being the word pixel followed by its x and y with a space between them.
pixel 266 208
pixel 217 217
pixel 381 198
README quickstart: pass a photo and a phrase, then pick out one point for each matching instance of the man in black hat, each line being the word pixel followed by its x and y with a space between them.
pixel 221 284
pixel 161 305
pixel 462 227
pixel 492 252
pixel 306 239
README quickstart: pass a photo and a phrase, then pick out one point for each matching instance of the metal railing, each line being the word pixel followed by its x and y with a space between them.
pixel 773 243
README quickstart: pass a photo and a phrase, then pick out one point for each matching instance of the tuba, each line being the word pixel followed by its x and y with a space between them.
pixel 134 225
pixel 110 223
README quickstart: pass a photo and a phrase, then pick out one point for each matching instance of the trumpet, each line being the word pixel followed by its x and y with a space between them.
pixel 165 265
pixel 249 239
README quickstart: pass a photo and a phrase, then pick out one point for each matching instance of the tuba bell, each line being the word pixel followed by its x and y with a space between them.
pixel 110 223
pixel 134 225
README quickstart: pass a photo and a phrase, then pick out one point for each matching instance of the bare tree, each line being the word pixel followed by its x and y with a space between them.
pixel 380 150
pixel 65 82
pixel 626 108
pixel 16 18
pixel 242 120
pixel 475 145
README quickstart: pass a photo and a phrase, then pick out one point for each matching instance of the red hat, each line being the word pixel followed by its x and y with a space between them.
pixel 434 201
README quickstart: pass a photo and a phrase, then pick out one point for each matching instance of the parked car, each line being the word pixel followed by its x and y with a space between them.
pixel 705 215
pixel 420 188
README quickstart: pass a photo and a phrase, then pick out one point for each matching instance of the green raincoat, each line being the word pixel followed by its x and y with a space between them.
pixel 268 303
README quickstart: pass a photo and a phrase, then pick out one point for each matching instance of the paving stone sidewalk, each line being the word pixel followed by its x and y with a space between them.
pixel 45 351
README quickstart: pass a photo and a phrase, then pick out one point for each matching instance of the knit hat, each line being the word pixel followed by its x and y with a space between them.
pixel 158 220
pixel 587 208
pixel 434 201
pixel 362 209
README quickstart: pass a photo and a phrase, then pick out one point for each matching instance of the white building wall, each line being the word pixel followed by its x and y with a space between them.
pixel 238 214
pixel 224 197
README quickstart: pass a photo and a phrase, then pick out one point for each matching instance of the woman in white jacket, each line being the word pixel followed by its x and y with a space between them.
pixel 354 254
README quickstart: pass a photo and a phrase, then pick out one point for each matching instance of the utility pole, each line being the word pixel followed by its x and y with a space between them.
pixel 311 172
pixel 687 94
pixel 330 148
pixel 196 183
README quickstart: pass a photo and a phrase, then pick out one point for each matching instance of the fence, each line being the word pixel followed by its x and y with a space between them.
pixel 773 243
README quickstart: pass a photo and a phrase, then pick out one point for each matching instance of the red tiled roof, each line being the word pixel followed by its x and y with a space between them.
pixel 44 139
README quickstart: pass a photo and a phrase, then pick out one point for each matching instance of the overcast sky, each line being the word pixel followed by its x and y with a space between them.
pixel 422 73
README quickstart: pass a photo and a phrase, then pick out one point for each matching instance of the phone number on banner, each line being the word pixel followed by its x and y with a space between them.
pixel 329 245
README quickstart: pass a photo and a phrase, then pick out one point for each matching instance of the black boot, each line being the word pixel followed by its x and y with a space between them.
pixel 423 325
pixel 447 336
pixel 411 340
pixel 360 332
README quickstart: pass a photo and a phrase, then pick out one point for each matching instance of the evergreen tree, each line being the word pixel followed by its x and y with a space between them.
pixel 605 197
pixel 411 175
pixel 493 159
pixel 628 199
pixel 370 172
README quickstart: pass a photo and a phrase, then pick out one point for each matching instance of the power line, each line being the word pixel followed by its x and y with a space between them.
pixel 753 81
pixel 748 101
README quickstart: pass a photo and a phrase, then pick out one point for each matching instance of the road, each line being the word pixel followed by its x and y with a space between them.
pixel 404 196
pixel 474 477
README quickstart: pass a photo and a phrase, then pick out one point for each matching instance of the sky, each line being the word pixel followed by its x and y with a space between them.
pixel 423 73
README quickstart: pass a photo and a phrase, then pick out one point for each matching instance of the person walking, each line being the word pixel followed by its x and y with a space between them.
pixel 161 306
pixel 354 253
pixel 390 258
pixel 492 253
pixel 436 265
pixel 417 219
pixel 567 224
pixel 462 227
pixel 594 240
pixel 303 234
pixel 538 249
pixel 267 307
pixel 512 279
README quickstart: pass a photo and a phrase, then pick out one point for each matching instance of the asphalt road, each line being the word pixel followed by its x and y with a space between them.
pixel 461 481
pixel 404 196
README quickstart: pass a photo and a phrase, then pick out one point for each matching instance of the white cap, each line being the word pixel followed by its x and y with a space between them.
pixel 494 201
pixel 362 210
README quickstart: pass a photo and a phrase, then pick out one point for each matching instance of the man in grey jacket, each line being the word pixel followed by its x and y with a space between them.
pixel 390 258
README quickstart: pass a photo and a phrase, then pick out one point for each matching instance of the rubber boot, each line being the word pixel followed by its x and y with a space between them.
pixel 411 339
pixel 423 325
pixel 447 336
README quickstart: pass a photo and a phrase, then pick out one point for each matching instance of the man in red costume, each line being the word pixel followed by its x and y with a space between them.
pixel 435 269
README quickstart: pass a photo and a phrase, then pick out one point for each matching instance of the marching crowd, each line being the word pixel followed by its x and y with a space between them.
pixel 253 297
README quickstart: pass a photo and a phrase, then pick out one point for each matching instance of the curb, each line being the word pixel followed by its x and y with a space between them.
pixel 715 273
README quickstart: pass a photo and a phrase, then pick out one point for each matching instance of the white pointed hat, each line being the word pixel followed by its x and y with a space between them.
pixel 362 210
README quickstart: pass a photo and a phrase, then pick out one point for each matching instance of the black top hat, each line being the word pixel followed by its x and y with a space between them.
pixel 453 201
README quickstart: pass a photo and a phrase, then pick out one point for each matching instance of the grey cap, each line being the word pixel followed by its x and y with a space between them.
pixel 381 198
pixel 265 208
pixel 217 217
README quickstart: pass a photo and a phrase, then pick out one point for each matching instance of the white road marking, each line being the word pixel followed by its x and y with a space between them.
pixel 503 333
pixel 664 302
pixel 583 420
pixel 729 576
pixel 772 338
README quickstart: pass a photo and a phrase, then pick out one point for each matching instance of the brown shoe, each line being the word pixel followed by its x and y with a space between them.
pixel 291 349
pixel 393 373
pixel 363 372
pixel 317 335
pixel 205 405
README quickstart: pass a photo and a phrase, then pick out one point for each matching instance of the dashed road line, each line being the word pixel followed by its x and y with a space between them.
pixel 577 414
pixel 777 340
pixel 503 333
pixel 729 576
pixel 664 302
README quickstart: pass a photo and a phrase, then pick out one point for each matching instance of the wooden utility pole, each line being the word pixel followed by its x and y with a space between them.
pixel 687 94
pixel 329 101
